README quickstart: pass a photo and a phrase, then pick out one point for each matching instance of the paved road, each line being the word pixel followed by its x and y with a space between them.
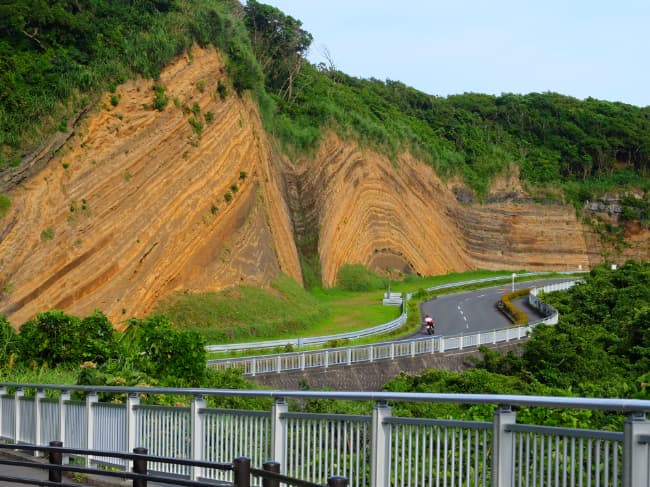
pixel 475 311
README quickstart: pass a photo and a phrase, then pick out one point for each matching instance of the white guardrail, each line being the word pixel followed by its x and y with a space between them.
pixel 283 362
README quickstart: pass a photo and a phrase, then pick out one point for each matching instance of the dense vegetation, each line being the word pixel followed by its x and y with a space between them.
pixel 600 348
pixel 55 55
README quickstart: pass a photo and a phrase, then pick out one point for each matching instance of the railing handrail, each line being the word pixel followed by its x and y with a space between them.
pixel 374 330
pixel 608 404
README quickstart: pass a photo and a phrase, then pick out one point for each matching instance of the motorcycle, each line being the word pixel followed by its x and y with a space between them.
pixel 429 327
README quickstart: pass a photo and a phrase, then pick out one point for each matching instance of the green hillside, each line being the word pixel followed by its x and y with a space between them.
pixel 54 56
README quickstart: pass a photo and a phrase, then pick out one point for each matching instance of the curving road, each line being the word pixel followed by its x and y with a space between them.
pixel 474 311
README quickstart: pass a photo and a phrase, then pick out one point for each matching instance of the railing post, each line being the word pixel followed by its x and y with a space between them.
pixel 302 361
pixel 502 447
pixel 460 343
pixel 442 344
pixel 326 360
pixel 635 454
pixel 55 458
pixel 38 419
pixel 242 476
pixel 337 481
pixel 20 392
pixel 271 467
pixel 254 367
pixel 494 337
pixel 349 356
pixel 279 363
pixel 392 350
pixel 412 349
pixel 91 398
pixel 371 353
pixel 380 446
pixel 132 400
pixel 279 431
pixel 64 396
pixel 140 466
pixel 197 435
pixel 3 392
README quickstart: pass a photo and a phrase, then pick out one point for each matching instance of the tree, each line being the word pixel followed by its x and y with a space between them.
pixel 279 44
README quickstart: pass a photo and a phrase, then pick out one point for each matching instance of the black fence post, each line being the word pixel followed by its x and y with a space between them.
pixel 271 467
pixel 242 467
pixel 56 458
pixel 336 481
pixel 140 466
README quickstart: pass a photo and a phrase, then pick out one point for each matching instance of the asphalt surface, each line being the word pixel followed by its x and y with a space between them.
pixel 476 311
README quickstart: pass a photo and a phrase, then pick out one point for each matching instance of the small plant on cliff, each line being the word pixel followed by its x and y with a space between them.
pixel 222 90
pixel 5 204
pixel 47 234
pixel 160 100
pixel 227 197
pixel 197 126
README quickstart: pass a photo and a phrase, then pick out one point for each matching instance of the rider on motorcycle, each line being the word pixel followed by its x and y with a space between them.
pixel 428 324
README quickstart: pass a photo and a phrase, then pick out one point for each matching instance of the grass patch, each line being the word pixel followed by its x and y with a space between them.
pixel 246 313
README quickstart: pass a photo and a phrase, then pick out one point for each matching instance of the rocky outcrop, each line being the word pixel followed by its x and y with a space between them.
pixel 140 203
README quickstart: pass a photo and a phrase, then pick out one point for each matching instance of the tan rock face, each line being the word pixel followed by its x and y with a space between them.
pixel 134 208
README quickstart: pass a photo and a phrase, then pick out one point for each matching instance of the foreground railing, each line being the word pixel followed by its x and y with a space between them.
pixel 293 361
pixel 377 449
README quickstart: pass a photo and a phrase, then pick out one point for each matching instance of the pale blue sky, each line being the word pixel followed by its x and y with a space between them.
pixel 580 48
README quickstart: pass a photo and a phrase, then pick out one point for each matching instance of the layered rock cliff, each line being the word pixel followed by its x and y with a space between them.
pixel 141 203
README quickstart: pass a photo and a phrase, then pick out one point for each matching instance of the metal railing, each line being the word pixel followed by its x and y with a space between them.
pixel 239 469
pixel 294 361
pixel 374 450
pixel 355 335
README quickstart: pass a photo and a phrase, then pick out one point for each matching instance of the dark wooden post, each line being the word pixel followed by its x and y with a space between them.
pixel 242 467
pixel 140 466
pixel 337 481
pixel 56 458
pixel 271 467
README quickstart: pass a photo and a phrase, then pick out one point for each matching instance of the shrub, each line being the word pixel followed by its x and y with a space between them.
pixel 356 277
pixel 47 234
pixel 222 90
pixel 5 204
pixel 160 100
pixel 227 197
pixel 197 126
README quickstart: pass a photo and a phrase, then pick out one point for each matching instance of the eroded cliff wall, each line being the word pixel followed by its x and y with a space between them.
pixel 135 206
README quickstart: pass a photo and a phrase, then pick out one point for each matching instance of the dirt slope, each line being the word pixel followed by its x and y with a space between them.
pixel 134 208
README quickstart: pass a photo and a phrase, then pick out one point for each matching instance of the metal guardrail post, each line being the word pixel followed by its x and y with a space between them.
pixel 502 447
pixel 349 356
pixel 64 397
pixel 242 472
pixel 273 467
pixel 380 446
pixel 3 392
pixel 91 398
pixel 279 431
pixel 279 363
pixel 132 400
pixel 55 458
pixel 20 392
pixel 140 466
pixel 38 419
pixel 196 427
pixel 635 454
pixel 326 359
